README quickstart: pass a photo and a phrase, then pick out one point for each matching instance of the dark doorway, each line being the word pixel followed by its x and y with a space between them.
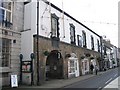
pixel 54 65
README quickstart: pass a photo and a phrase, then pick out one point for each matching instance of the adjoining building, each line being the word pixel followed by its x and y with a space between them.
pixel 109 52
pixel 63 47
pixel 11 23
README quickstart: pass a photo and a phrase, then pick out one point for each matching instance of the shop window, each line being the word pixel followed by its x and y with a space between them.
pixel 92 42
pixel 84 39
pixel 6 50
pixel 85 65
pixel 72 34
pixel 72 66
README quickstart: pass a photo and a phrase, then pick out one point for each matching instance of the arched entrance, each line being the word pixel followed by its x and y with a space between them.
pixel 54 65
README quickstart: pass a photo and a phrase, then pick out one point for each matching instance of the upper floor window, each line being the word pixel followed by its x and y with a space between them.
pixel 92 42
pixel 72 33
pixel 6 13
pixel 79 40
pixel 6 5
pixel 98 45
pixel 84 39
pixel 54 26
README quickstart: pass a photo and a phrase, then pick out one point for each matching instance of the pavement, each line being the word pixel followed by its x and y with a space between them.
pixel 60 83
pixel 114 84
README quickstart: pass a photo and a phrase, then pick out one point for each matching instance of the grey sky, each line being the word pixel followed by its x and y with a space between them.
pixel 99 15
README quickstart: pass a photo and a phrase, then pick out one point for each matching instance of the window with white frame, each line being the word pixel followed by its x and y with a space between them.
pixel 6 13
pixel 72 66
pixel 54 26
pixel 6 52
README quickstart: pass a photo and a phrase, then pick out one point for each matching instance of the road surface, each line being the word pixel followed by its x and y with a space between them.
pixel 96 83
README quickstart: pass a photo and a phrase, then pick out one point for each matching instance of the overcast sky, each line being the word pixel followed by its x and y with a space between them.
pixel 99 15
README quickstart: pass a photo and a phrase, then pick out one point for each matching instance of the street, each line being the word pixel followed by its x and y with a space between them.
pixel 96 83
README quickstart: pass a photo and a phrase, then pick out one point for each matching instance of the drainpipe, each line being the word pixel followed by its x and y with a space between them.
pixel 38 43
pixel 101 54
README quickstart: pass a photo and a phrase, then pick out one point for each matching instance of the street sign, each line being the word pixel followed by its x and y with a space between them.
pixel 14 81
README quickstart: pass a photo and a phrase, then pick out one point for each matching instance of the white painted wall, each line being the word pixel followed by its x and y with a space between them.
pixel 45 27
pixel 64 29
pixel 30 26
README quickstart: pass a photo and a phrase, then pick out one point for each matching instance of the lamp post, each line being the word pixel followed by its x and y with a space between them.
pixel 32 56
pixel 38 42
pixel 21 57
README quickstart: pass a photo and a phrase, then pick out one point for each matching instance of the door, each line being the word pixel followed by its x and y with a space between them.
pixel 76 68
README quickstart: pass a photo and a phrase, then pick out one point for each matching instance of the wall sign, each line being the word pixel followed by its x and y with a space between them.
pixel 26 66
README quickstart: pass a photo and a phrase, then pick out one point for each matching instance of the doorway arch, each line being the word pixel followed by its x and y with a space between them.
pixel 54 65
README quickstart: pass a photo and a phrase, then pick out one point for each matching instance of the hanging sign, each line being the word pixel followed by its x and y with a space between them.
pixel 14 81
pixel 26 66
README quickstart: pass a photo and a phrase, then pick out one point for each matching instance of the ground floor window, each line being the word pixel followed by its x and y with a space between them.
pixel 72 66
pixel 85 66
pixel 5 51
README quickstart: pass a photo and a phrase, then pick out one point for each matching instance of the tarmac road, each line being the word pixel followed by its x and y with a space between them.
pixel 95 83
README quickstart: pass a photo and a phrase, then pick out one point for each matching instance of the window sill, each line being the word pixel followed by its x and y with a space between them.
pixel 55 38
pixel 4 69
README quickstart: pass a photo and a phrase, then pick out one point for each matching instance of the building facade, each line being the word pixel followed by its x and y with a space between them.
pixel 11 23
pixel 110 54
pixel 63 47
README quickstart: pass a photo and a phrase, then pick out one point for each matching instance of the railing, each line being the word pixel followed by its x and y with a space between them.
pixel 6 24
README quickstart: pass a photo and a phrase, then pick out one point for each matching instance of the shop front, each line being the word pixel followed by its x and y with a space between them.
pixel 85 66
pixel 73 66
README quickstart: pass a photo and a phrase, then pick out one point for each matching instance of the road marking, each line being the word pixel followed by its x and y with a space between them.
pixel 115 75
pixel 108 80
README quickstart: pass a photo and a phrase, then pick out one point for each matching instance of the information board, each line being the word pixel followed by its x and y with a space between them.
pixel 14 81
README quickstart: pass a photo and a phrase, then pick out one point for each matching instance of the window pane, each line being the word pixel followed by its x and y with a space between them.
pixel 92 43
pixel 2 14
pixel 79 40
pixel 54 27
pixel 72 66
pixel 72 32
pixel 6 5
pixel 8 16
pixel 6 43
